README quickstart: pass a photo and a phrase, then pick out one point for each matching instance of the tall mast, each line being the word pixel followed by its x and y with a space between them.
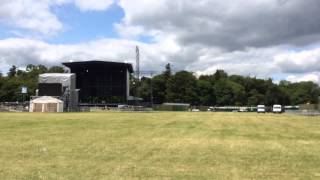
pixel 137 63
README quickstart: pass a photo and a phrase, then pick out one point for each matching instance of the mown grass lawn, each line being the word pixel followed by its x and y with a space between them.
pixel 163 145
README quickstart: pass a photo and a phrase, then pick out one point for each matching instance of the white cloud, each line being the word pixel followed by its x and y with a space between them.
pixel 314 77
pixel 36 16
pixel 229 24
pixel 30 15
pixel 93 5
pixel 241 36
pixel 20 52
pixel 129 32
pixel 199 59
pixel 252 61
pixel 299 62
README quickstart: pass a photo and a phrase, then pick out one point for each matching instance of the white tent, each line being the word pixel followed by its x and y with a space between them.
pixel 46 104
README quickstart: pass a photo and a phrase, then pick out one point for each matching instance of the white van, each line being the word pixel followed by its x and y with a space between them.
pixel 277 108
pixel 261 108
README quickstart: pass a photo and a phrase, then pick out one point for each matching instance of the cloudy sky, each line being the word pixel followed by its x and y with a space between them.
pixel 263 38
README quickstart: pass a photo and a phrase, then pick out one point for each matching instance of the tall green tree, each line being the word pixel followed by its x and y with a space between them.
pixel 56 69
pixel 145 89
pixel 206 93
pixel 167 73
pixel 159 86
pixel 224 93
pixel 12 71
pixel 182 88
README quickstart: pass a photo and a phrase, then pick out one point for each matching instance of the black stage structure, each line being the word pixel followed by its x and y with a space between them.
pixel 101 81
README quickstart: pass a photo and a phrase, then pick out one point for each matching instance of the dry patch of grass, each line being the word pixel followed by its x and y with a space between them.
pixel 159 146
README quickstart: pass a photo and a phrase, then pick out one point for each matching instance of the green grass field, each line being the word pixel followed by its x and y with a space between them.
pixel 159 146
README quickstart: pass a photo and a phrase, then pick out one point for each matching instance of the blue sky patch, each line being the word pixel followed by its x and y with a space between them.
pixel 85 26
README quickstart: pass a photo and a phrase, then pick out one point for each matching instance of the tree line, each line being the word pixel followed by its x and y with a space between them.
pixel 11 84
pixel 221 89
pixel 218 89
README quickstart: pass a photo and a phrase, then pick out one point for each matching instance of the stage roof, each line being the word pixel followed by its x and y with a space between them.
pixel 99 63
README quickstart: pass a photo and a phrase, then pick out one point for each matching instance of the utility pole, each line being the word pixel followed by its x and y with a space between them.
pixel 137 63
pixel 151 89
pixel 137 73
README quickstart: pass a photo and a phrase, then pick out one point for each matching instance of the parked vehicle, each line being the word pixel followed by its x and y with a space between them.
pixel 211 109
pixel 261 109
pixel 243 109
pixel 277 108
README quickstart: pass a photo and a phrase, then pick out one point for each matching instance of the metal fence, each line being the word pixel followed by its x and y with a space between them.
pixel 24 107
pixel 14 107
pixel 305 112
pixel 121 108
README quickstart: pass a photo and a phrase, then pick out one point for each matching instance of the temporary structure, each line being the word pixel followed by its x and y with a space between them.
pixel 61 85
pixel 68 80
pixel 46 104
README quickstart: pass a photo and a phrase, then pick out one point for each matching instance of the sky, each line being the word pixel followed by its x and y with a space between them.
pixel 263 38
